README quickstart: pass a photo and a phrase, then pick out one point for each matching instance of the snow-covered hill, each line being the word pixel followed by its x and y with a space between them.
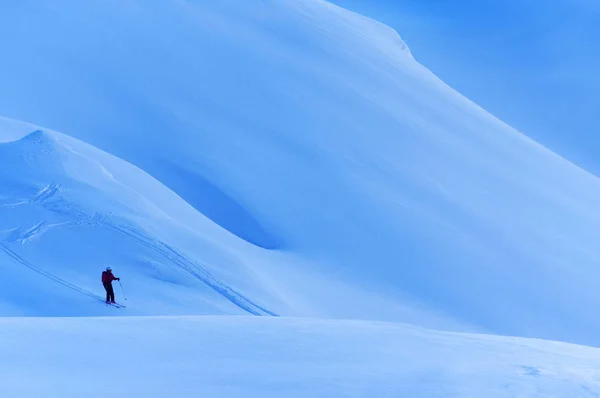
pixel 276 157
pixel 309 131
pixel 67 210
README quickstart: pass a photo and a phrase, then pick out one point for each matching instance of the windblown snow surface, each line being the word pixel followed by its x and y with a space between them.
pixel 293 203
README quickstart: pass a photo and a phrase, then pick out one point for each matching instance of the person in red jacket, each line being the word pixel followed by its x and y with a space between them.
pixel 107 279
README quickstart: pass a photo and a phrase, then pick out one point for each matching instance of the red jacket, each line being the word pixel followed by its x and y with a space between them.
pixel 108 277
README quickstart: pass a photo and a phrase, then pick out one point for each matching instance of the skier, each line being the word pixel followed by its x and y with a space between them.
pixel 107 278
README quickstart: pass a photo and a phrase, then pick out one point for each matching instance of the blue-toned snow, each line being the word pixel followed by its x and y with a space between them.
pixel 224 356
pixel 277 158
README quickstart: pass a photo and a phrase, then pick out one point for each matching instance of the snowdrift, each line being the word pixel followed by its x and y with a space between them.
pixel 270 357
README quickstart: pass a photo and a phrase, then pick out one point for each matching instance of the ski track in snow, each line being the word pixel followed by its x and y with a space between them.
pixel 195 269
pixel 20 260
pixel 46 193
pixel 43 195
pixel 161 249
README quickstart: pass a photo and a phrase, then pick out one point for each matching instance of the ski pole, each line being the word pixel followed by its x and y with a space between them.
pixel 120 284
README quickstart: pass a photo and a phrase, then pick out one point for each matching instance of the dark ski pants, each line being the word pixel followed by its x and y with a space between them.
pixel 110 293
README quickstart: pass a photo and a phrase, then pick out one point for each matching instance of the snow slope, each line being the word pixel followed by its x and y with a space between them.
pixel 274 357
pixel 275 157
pixel 67 210
pixel 357 183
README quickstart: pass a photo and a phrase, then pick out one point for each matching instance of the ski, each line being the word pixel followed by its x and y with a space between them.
pixel 116 305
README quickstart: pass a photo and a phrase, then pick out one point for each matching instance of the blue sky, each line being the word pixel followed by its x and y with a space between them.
pixel 534 64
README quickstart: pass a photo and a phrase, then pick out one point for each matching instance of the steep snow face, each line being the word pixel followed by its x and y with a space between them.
pixel 274 357
pixel 171 85
pixel 310 133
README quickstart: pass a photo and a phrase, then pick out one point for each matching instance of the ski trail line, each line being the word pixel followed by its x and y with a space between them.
pixel 48 275
pixel 196 270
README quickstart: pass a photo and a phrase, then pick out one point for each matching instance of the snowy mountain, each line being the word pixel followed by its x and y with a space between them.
pixel 278 158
